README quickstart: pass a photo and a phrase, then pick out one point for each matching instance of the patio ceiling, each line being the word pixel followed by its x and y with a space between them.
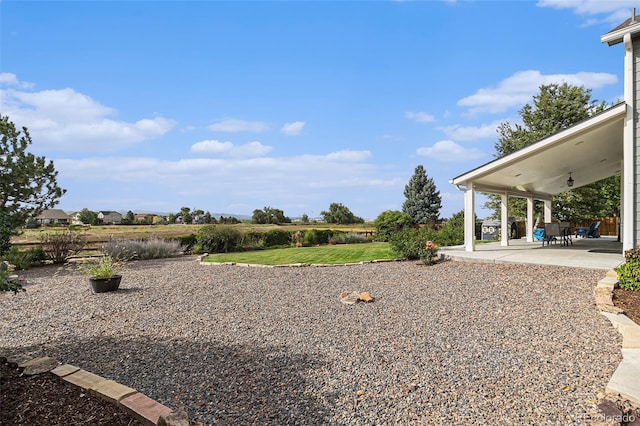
pixel 590 150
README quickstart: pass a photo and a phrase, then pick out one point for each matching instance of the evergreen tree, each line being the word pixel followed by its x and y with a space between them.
pixel 423 201
pixel 28 184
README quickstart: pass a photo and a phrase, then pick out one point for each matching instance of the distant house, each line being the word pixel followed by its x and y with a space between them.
pixel 143 217
pixel 51 216
pixel 109 217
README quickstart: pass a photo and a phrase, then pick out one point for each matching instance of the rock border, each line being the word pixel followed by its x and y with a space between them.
pixel 140 406
pixel 625 381
pixel 290 265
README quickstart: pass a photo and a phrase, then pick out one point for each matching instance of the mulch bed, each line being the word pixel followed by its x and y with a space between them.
pixel 629 301
pixel 44 400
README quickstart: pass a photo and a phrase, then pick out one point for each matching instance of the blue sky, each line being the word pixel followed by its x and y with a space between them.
pixel 234 106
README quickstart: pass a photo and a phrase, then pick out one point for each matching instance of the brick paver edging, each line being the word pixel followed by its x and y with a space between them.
pixel 138 405
pixel 625 381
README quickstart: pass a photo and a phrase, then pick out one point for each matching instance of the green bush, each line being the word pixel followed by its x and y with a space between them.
pixel 186 241
pixel 277 237
pixel 314 237
pixel 218 239
pixel 390 222
pixel 452 233
pixel 7 284
pixel 629 272
pixel 410 243
pixel 25 259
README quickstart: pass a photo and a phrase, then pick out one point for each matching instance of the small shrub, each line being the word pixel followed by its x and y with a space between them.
pixel 104 268
pixel 314 237
pixel 25 259
pixel 410 242
pixel 186 241
pixel 428 252
pixel 60 245
pixel 629 272
pixel 6 283
pixel 152 248
pixel 348 238
pixel 119 250
pixel 218 239
pixel 277 237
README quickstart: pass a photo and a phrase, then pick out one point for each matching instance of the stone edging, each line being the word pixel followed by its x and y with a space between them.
pixel 131 401
pixel 289 265
pixel 625 381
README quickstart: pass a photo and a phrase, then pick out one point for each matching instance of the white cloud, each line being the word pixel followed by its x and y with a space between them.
pixel 251 149
pixel 472 133
pixel 450 151
pixel 11 79
pixel 615 11
pixel 348 155
pixel 292 129
pixel 420 117
pixel 233 125
pixel 65 120
pixel 518 89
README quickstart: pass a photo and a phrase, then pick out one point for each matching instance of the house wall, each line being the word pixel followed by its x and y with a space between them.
pixel 636 139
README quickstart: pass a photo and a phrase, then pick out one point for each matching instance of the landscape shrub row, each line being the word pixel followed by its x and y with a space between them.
pixel 225 239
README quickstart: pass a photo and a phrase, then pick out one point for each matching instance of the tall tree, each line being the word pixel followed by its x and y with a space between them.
pixel 423 201
pixel 340 214
pixel 556 107
pixel 28 184
pixel 88 217
pixel 269 215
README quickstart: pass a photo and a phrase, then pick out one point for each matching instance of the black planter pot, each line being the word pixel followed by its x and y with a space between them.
pixel 102 285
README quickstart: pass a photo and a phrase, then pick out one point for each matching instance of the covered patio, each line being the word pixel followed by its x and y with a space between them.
pixel 596 253
pixel 601 146
pixel 585 153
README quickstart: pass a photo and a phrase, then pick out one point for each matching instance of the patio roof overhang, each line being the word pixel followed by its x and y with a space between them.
pixel 590 150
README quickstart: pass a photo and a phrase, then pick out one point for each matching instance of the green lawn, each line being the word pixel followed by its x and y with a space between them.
pixel 342 253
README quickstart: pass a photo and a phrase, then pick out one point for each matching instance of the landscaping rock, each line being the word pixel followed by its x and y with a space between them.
pixel 349 298
pixel 39 366
pixel 365 297
pixel 174 418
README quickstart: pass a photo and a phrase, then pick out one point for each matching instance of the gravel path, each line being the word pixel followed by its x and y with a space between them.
pixel 450 343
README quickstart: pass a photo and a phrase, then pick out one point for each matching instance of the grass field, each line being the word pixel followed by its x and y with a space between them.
pixel 132 232
pixel 335 254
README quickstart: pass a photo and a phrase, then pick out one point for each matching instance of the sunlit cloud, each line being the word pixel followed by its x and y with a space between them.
pixel 420 117
pixel 233 125
pixel 519 88
pixel 214 147
pixel 65 120
pixel 292 129
pixel 450 151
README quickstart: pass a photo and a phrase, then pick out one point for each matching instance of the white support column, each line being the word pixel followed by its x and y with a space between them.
pixel 547 211
pixel 530 219
pixel 628 169
pixel 469 219
pixel 504 220
pixel 622 196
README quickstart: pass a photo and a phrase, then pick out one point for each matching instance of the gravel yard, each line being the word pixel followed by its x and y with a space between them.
pixel 454 342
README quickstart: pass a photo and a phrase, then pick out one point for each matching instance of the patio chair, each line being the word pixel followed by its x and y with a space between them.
pixel 551 233
pixel 590 232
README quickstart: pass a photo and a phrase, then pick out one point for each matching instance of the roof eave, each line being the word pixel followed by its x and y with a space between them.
pixel 616 36
pixel 486 168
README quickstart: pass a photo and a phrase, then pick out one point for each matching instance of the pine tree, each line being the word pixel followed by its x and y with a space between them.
pixel 423 201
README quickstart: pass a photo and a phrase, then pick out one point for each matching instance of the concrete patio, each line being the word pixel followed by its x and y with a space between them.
pixel 595 253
